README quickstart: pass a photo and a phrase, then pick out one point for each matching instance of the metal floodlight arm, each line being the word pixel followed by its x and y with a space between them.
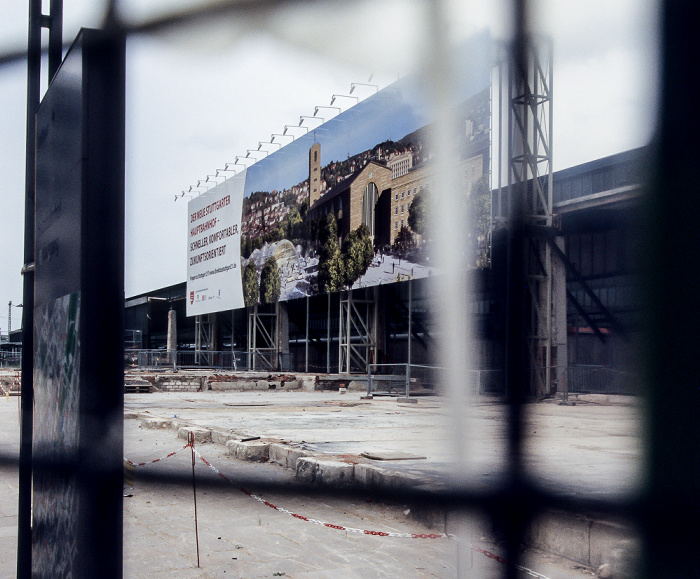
pixel 287 127
pixel 356 84
pixel 347 96
pixel 302 117
pixel 324 107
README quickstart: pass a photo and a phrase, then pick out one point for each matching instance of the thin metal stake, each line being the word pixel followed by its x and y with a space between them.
pixel 190 441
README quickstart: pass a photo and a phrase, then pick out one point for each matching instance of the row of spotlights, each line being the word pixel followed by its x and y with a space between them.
pixel 285 133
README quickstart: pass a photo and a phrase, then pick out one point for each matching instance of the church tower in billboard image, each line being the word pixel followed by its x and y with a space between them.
pixel 314 173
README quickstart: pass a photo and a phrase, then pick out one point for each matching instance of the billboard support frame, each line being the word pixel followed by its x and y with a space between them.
pixel 353 320
pixel 530 176
pixel 270 343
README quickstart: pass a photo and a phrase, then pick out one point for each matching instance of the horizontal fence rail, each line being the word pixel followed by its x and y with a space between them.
pixel 402 380
pixel 10 359
pixel 588 379
pixel 208 359
pixel 413 379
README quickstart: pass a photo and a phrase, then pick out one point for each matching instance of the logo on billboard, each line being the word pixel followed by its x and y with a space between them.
pixel 191 297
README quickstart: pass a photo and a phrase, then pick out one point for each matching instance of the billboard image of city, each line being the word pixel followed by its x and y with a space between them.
pixel 345 205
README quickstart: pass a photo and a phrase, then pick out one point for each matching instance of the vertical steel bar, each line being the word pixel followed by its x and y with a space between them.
pixel 328 337
pixel 349 333
pixel 306 348
pixel 24 507
pixel 516 327
pixel 190 437
pixel 340 332
pixel 410 332
pixel 55 37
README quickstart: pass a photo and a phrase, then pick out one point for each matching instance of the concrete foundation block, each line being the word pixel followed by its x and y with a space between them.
pixel 155 422
pixel 286 455
pixel 375 477
pixel 278 453
pixel 200 434
pixel 221 436
pixel 367 475
pixel 324 471
pixel 262 385
pixel 253 450
pixel 561 534
pixel 309 383
pixel 291 385
pixel 606 539
pixel 223 386
pixel 357 385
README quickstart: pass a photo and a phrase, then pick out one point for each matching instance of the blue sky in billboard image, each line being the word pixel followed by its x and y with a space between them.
pixel 390 114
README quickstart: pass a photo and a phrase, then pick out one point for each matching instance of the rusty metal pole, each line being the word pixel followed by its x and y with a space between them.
pixel 190 441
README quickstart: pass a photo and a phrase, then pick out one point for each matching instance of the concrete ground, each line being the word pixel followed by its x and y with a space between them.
pixel 587 449
pixel 592 449
pixel 240 537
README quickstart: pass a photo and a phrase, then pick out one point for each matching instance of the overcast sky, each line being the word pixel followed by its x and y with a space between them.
pixel 196 100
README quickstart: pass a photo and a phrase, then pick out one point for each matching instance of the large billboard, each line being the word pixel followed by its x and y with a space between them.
pixel 213 249
pixel 345 204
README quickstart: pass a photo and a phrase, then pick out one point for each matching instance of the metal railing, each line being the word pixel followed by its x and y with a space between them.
pixel 402 380
pixel 205 359
pixel 408 379
pixel 10 359
pixel 589 379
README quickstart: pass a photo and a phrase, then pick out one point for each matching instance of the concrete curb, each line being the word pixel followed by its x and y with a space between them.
pixel 584 539
pixel 200 434
pixel 324 471
pixel 253 450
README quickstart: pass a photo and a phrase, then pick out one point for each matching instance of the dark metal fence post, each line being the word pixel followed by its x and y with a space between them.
pixel 24 510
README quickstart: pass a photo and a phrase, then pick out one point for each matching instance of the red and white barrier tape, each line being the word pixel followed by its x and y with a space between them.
pixel 126 460
pixel 316 521
pixel 484 552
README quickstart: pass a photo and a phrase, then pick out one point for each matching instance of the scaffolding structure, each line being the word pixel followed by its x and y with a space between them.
pixel 263 345
pixel 525 102
pixel 356 343
pixel 204 339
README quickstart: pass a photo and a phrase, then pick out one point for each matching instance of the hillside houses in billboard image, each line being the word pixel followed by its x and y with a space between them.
pixel 363 221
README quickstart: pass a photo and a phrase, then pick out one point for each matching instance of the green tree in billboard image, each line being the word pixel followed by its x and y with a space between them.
pixel 479 207
pixel 348 206
pixel 251 291
pixel 357 255
pixel 270 285
pixel 418 213
pixel 330 262
pixel 405 240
